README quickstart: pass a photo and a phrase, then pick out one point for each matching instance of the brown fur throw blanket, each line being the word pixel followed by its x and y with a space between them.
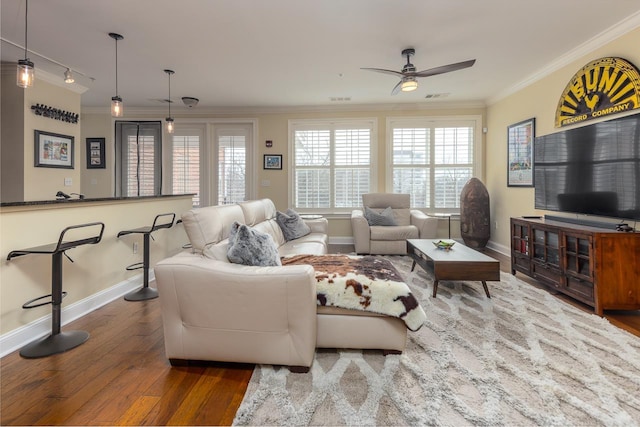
pixel 366 283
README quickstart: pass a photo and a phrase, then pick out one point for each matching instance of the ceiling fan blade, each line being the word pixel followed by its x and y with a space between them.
pixel 382 70
pixel 445 69
pixel 396 89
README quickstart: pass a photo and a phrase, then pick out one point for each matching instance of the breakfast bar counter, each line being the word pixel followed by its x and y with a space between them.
pixel 98 275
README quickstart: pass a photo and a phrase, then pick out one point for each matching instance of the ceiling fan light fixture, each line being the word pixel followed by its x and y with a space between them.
pixel 409 84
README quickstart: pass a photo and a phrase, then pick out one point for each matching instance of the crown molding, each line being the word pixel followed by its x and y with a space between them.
pixel 610 34
pixel 226 111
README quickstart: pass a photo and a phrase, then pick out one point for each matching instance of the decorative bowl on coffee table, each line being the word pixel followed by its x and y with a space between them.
pixel 444 244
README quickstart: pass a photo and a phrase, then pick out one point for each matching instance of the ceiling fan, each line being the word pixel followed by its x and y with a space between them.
pixel 409 76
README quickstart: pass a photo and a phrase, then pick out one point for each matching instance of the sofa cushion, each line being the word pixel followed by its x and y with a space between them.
pixel 293 227
pixel 210 225
pixel 257 211
pixel 383 218
pixel 271 228
pixel 248 246
pixel 401 232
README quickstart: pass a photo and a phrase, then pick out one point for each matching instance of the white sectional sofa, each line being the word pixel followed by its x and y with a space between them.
pixel 219 311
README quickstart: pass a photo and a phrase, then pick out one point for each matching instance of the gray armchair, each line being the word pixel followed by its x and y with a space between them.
pixel 390 239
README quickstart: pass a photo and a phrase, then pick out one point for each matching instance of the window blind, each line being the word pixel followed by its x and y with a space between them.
pixel 432 161
pixel 232 156
pixel 186 165
pixel 332 164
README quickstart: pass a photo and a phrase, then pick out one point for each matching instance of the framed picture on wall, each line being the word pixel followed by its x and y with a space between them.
pixel 273 161
pixel 520 153
pixel 52 150
pixel 95 153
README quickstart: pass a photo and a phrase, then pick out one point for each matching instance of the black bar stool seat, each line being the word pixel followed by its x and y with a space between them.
pixel 57 342
pixel 160 221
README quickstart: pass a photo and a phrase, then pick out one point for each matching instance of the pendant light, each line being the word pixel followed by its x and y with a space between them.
pixel 25 71
pixel 169 119
pixel 116 101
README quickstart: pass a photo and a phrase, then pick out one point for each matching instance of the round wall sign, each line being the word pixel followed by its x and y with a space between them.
pixel 602 87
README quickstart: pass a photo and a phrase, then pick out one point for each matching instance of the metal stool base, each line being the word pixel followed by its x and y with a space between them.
pixel 142 294
pixel 54 344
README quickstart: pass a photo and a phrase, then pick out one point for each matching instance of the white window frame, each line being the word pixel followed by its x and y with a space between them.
pixel 331 124
pixel 208 156
pixel 187 129
pixel 431 122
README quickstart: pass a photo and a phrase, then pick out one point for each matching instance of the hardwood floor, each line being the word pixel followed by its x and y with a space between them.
pixel 120 376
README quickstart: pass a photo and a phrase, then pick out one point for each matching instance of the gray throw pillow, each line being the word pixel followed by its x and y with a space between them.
pixel 383 218
pixel 293 227
pixel 248 246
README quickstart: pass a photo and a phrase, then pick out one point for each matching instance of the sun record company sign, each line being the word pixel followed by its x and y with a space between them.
pixel 602 87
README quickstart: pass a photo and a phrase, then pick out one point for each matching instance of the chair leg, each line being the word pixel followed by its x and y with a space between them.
pixel 145 292
pixel 56 342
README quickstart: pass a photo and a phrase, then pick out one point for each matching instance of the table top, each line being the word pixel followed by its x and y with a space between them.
pixel 459 252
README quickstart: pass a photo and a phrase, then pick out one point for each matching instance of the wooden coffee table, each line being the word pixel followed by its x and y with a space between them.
pixel 458 263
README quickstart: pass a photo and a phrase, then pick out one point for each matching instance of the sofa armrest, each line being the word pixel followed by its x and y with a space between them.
pixel 361 232
pixel 427 225
pixel 318 225
pixel 215 310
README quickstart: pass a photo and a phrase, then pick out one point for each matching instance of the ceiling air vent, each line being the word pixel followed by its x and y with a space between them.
pixel 436 95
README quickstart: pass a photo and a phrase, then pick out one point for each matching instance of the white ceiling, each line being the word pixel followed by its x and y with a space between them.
pixel 284 53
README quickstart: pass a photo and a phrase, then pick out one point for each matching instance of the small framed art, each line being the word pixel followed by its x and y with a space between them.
pixel 273 161
pixel 520 153
pixel 95 153
pixel 52 150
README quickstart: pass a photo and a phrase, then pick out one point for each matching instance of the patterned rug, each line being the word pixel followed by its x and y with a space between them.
pixel 521 358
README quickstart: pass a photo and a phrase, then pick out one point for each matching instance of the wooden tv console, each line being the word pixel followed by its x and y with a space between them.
pixel 597 266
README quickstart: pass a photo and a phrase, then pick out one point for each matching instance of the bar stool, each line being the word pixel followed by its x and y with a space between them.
pixel 186 245
pixel 57 342
pixel 146 292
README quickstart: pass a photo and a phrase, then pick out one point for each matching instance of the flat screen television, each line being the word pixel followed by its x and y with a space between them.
pixel 592 170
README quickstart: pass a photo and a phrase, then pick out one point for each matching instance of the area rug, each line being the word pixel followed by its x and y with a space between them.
pixel 520 358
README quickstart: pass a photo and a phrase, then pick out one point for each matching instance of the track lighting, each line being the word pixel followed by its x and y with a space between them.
pixel 169 119
pixel 68 77
pixel 116 101
pixel 25 71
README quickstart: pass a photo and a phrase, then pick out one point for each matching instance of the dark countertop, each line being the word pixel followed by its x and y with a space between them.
pixel 75 200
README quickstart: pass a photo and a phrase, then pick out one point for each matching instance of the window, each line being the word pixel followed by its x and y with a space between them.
pixel 233 148
pixel 432 160
pixel 185 155
pixel 332 164
pixel 139 150
pixel 232 156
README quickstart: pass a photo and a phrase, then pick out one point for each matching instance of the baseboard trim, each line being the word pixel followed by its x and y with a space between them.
pixel 18 338
pixel 504 250
pixel 341 240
